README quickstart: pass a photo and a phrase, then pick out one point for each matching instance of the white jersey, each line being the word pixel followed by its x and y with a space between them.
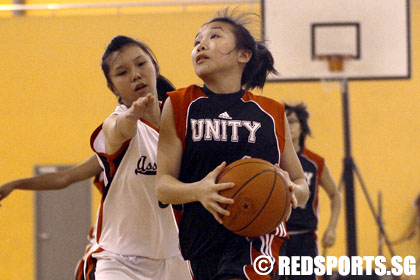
pixel 130 221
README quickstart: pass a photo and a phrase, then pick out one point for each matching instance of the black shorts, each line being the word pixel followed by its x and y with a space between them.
pixel 300 245
pixel 235 259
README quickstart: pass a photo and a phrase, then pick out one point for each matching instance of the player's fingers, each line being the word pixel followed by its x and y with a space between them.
pixel 216 216
pixel 220 210
pixel 149 99
pixel 283 173
pixel 143 100
pixel 290 212
pixel 223 186
pixel 294 201
pixel 224 200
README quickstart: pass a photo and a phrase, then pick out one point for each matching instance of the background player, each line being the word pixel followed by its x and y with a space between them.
pixel 203 128
pixel 303 222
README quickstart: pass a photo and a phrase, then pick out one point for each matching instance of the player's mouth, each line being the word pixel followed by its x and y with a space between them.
pixel 200 58
pixel 140 87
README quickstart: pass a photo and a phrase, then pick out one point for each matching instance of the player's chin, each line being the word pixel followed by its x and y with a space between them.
pixel 202 72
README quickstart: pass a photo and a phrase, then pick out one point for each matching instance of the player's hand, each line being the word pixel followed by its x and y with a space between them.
pixel 328 239
pixel 208 194
pixel 140 107
pixel 290 184
pixel 5 190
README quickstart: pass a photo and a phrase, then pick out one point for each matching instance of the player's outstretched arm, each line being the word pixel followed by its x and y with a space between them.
pixel 328 184
pixel 292 171
pixel 119 128
pixel 56 180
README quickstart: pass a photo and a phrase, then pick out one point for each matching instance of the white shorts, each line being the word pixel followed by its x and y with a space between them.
pixel 110 266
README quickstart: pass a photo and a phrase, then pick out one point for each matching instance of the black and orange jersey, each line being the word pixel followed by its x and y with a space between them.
pixel 214 128
pixel 306 218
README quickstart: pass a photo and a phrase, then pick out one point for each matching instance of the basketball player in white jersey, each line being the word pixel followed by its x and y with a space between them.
pixel 136 238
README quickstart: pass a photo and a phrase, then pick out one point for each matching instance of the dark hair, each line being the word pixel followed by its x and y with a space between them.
pixel 261 62
pixel 163 85
pixel 303 116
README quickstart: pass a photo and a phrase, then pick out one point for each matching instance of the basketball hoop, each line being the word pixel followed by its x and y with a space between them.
pixel 335 65
pixel 335 61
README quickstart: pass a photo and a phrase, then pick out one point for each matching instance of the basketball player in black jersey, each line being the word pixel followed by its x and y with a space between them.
pixel 205 128
pixel 303 223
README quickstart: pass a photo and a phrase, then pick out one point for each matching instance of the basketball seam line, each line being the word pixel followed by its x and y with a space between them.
pixel 265 202
pixel 243 185
pixel 226 170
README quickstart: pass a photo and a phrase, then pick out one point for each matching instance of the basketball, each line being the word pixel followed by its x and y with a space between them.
pixel 262 198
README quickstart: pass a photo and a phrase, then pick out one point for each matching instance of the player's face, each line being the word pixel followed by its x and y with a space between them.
pixel 294 125
pixel 132 73
pixel 214 50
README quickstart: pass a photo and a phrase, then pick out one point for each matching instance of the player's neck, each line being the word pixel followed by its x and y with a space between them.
pixel 223 83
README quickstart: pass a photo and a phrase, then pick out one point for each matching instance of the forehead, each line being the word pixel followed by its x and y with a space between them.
pixel 216 25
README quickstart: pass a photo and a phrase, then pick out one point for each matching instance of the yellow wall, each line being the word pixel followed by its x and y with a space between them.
pixel 53 95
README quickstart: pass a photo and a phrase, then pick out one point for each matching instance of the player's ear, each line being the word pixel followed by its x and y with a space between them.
pixel 244 55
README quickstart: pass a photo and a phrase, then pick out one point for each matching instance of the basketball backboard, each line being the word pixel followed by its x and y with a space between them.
pixel 373 37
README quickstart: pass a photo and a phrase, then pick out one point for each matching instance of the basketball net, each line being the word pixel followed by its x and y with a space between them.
pixel 335 65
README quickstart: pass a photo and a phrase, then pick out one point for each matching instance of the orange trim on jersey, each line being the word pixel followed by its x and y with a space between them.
pixel 109 158
pixel 275 110
pixel 91 265
pixel 94 135
pixel 181 100
pixel 150 124
pixel 177 215
pixel 79 275
pixel 99 184
pixel 91 233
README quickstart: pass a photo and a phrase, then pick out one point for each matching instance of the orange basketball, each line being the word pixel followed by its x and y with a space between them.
pixel 262 198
